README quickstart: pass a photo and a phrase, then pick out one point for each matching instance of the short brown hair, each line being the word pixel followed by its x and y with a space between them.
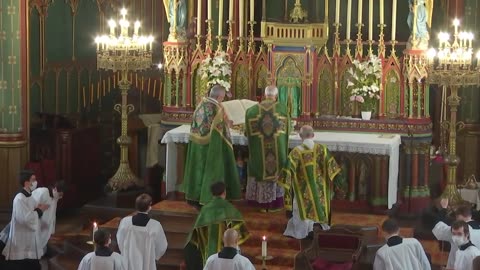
pixel 143 202
pixel 464 210
pixel 390 226
pixel 461 224
pixel 100 237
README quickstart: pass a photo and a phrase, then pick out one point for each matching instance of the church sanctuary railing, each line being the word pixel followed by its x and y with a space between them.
pixel 294 34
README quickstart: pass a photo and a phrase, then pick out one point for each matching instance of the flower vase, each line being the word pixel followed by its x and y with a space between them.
pixel 366 115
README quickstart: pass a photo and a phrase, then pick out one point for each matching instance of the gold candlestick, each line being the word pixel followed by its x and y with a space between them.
pixel 381 42
pixel 208 41
pixel 336 45
pixel 251 42
pixel 392 52
pixel 199 37
pixel 219 45
pixel 359 47
pixel 230 35
pixel 370 50
pixel 347 51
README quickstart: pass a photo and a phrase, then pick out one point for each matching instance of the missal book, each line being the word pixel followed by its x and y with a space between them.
pixel 235 109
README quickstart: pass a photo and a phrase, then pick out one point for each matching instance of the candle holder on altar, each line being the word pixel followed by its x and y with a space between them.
pixel 251 41
pixel 264 260
pixel 219 45
pixel 124 53
pixel 208 41
pixel 336 45
pixel 381 41
pixel 347 50
pixel 393 52
pixel 359 47
pixel 230 35
pixel 199 39
pixel 453 66
pixel 370 49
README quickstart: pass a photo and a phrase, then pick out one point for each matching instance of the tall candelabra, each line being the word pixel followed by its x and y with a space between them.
pixel 122 52
pixel 453 66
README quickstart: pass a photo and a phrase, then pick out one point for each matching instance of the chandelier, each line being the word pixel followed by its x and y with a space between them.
pixel 124 50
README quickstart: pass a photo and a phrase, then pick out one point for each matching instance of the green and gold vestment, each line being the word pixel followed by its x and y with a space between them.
pixel 210 155
pixel 309 174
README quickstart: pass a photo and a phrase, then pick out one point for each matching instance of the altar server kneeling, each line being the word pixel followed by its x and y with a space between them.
pixel 103 258
pixel 228 257
pixel 400 253
pixel 141 239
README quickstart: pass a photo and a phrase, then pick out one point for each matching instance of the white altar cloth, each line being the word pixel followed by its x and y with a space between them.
pixel 366 143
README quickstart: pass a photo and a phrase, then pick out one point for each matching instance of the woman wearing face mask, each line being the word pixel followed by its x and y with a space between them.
pixel 49 196
pixel 23 249
pixel 103 258
pixel 467 251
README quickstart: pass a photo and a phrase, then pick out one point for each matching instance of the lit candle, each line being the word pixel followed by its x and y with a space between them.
pixel 394 18
pixel 199 17
pixel 112 25
pixel 241 17
pixel 220 17
pixel 360 7
pixel 95 228
pixel 137 26
pixel 252 10
pixel 337 11
pixel 230 10
pixel 349 17
pixel 209 9
pixel 370 20
pixel 381 12
pixel 264 246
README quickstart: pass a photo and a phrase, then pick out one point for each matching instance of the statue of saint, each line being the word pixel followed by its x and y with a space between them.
pixel 176 10
pixel 419 21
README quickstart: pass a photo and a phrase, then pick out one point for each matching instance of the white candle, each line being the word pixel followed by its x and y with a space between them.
pixel 394 18
pixel 337 11
pixel 220 17
pixel 241 10
pixel 349 17
pixel 199 17
pixel 230 10
pixel 95 228
pixel 264 246
pixel 382 11
pixel 370 20
pixel 252 10
pixel 209 9
pixel 137 26
pixel 360 7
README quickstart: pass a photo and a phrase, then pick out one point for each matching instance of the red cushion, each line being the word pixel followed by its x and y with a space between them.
pixel 338 241
pixel 321 264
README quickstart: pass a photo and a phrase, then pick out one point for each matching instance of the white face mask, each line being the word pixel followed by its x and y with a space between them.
pixel 33 186
pixel 459 240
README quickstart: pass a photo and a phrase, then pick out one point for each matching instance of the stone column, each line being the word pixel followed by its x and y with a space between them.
pixel 13 92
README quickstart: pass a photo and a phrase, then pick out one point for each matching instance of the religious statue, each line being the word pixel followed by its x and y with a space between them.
pixel 176 11
pixel 419 21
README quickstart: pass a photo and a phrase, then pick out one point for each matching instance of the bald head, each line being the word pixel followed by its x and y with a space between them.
pixel 217 92
pixel 271 91
pixel 306 132
pixel 230 238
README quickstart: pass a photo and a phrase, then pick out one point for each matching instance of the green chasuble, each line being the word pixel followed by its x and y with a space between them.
pixel 210 155
pixel 283 94
pixel 212 221
pixel 309 174
pixel 267 130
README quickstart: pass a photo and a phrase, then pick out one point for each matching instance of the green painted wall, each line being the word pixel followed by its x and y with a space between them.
pixel 10 67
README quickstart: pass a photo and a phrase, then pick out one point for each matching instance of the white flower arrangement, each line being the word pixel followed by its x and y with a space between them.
pixel 217 70
pixel 363 82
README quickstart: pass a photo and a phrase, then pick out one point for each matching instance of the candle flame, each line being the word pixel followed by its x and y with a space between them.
pixel 94 224
pixel 264 238
pixel 456 22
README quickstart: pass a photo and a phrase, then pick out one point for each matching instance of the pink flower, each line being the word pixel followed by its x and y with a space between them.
pixel 352 98
pixel 359 99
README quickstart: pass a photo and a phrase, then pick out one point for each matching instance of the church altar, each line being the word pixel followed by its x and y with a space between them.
pixel 365 143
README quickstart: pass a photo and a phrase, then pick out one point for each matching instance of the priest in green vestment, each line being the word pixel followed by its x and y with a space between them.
pixel 210 152
pixel 267 129
pixel 308 180
pixel 214 218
